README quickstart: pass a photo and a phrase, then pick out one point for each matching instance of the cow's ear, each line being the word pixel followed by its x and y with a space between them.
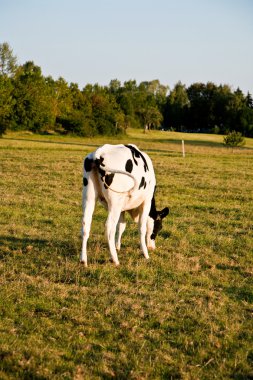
pixel 164 212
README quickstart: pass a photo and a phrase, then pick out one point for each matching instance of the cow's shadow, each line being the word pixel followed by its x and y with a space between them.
pixel 14 245
pixel 46 250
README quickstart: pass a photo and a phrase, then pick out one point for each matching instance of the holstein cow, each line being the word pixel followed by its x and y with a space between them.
pixel 122 178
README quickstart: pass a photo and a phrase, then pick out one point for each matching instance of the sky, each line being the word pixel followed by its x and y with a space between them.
pixel 95 41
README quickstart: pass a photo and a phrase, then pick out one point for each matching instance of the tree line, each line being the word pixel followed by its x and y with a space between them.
pixel 30 101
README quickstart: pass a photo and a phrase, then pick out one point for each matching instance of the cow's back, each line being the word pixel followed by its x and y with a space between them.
pixel 124 171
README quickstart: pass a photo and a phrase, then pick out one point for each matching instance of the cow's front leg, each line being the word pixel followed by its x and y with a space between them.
pixel 150 229
pixel 111 224
pixel 121 228
pixel 143 228
pixel 89 200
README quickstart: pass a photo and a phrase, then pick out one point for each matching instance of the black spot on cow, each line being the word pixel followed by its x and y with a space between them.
pixel 108 180
pixel 88 164
pixel 85 181
pixel 101 161
pixel 98 163
pixel 137 154
pixel 153 211
pixel 143 183
pixel 129 166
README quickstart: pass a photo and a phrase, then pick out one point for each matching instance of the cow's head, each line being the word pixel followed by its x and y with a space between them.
pixel 155 222
pixel 160 215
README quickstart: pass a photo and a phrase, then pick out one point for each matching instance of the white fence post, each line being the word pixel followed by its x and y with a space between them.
pixel 183 148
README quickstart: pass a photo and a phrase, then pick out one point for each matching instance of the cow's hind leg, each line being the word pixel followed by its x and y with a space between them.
pixel 111 224
pixel 89 200
pixel 121 228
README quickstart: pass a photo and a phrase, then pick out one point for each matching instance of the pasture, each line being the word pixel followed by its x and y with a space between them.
pixel 185 314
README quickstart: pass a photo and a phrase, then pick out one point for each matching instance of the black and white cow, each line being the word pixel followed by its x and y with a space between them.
pixel 122 178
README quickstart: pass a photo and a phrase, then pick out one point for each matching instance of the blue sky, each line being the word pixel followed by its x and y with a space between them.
pixel 94 41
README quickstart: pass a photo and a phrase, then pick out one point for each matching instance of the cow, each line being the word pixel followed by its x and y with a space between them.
pixel 122 178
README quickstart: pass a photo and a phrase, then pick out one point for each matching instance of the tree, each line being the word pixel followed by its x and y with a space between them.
pixel 249 100
pixel 114 86
pixel 8 66
pixel 33 109
pixel 201 116
pixel 131 86
pixel 234 139
pixel 176 107
pixel 159 92
pixel 152 117
pixel 125 97
pixel 78 119
pixel 107 115
pixel 6 103
pixel 8 62
pixel 220 110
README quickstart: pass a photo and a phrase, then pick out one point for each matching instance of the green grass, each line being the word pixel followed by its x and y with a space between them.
pixel 185 314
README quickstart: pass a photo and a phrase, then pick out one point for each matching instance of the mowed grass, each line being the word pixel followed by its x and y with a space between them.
pixel 185 314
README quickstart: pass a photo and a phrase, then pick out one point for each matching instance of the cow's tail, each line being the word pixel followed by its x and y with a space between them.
pixel 116 171
pixel 103 170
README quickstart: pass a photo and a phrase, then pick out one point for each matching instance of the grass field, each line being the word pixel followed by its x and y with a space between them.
pixel 185 314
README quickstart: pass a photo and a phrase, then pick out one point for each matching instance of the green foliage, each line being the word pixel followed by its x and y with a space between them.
pixel 234 139
pixel 30 101
pixel 214 106
pixel 176 107
pixel 33 106
pixel 106 113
